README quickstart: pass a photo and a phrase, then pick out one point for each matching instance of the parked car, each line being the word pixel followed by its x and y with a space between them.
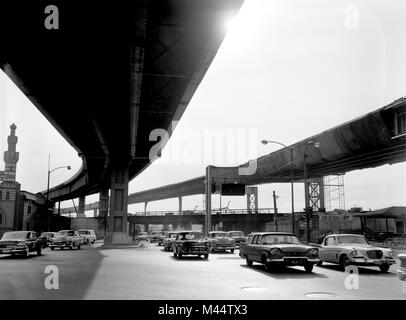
pixel 88 236
pixel 274 249
pixel 47 238
pixel 190 243
pixel 66 239
pixel 20 242
pixel 402 271
pixel 220 241
pixel 162 236
pixel 354 249
pixel 154 236
pixel 169 239
pixel 237 236
pixel 142 236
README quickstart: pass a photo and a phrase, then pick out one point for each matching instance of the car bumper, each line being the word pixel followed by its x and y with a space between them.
pixel 224 247
pixel 186 251
pixel 294 261
pixel 13 250
pixel 370 262
pixel 59 245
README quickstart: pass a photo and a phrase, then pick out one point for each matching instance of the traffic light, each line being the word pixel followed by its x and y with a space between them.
pixel 213 187
pixel 308 211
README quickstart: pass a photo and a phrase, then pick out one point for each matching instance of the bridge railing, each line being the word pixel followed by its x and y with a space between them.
pixel 202 212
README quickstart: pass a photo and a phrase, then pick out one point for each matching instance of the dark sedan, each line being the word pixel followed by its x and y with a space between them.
pixel 20 242
pixel 190 243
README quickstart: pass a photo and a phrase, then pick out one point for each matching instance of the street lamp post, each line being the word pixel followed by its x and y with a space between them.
pixel 264 142
pixel 49 175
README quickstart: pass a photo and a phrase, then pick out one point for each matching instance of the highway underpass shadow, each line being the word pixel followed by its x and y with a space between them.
pixel 26 277
pixel 285 272
pixel 361 270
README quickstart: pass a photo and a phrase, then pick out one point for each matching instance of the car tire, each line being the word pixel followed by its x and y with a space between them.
pixel 179 254
pixel 344 262
pixel 175 254
pixel 25 255
pixel 93 241
pixel 248 262
pixel 232 250
pixel 39 251
pixel 79 246
pixel 270 267
pixel 71 247
pixel 308 267
pixel 384 267
pixel 52 248
pixel 320 263
pixel 206 256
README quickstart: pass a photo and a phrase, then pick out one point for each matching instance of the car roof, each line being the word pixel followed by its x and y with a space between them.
pixel 272 233
pixel 344 234
pixel 188 231
pixel 235 231
pixel 218 231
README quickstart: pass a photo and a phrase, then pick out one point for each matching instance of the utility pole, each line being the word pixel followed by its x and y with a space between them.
pixel 275 210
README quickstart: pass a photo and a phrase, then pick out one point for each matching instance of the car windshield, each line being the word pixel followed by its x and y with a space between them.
pixel 236 234
pixel 46 234
pixel 219 235
pixel 83 232
pixel 66 233
pixel 15 235
pixel 191 236
pixel 280 239
pixel 352 239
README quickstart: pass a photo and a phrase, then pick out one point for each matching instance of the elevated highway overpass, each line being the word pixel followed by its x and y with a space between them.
pixel 107 75
pixel 372 140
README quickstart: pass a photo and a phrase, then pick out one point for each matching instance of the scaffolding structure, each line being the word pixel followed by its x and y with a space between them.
pixel 334 192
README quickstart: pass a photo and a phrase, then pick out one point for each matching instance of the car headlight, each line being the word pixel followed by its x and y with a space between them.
pixel 22 244
pixel 354 252
pixel 313 252
pixel 390 253
pixel 181 244
pixel 275 251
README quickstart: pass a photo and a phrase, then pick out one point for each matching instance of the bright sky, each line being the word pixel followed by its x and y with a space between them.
pixel 285 71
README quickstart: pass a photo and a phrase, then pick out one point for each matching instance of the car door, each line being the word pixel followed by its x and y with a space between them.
pixel 77 238
pixel 255 248
pixel 329 249
pixel 32 241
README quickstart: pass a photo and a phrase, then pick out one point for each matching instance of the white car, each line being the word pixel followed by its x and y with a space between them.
pixel 87 235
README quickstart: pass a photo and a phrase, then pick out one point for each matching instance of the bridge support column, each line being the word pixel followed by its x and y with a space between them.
pixel 81 208
pixel 207 184
pixel 145 207
pixel 146 227
pixel 104 209
pixel 117 225
pixel 180 205
pixel 95 213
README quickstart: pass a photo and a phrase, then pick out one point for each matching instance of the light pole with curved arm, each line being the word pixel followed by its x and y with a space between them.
pixel 49 174
pixel 264 142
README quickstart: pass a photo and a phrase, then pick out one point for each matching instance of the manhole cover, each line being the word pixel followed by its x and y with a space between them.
pixel 253 289
pixel 320 295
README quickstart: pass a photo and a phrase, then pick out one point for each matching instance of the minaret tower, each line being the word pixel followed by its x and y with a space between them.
pixel 11 155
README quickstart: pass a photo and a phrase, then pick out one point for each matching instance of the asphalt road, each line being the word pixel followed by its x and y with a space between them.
pixel 151 273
